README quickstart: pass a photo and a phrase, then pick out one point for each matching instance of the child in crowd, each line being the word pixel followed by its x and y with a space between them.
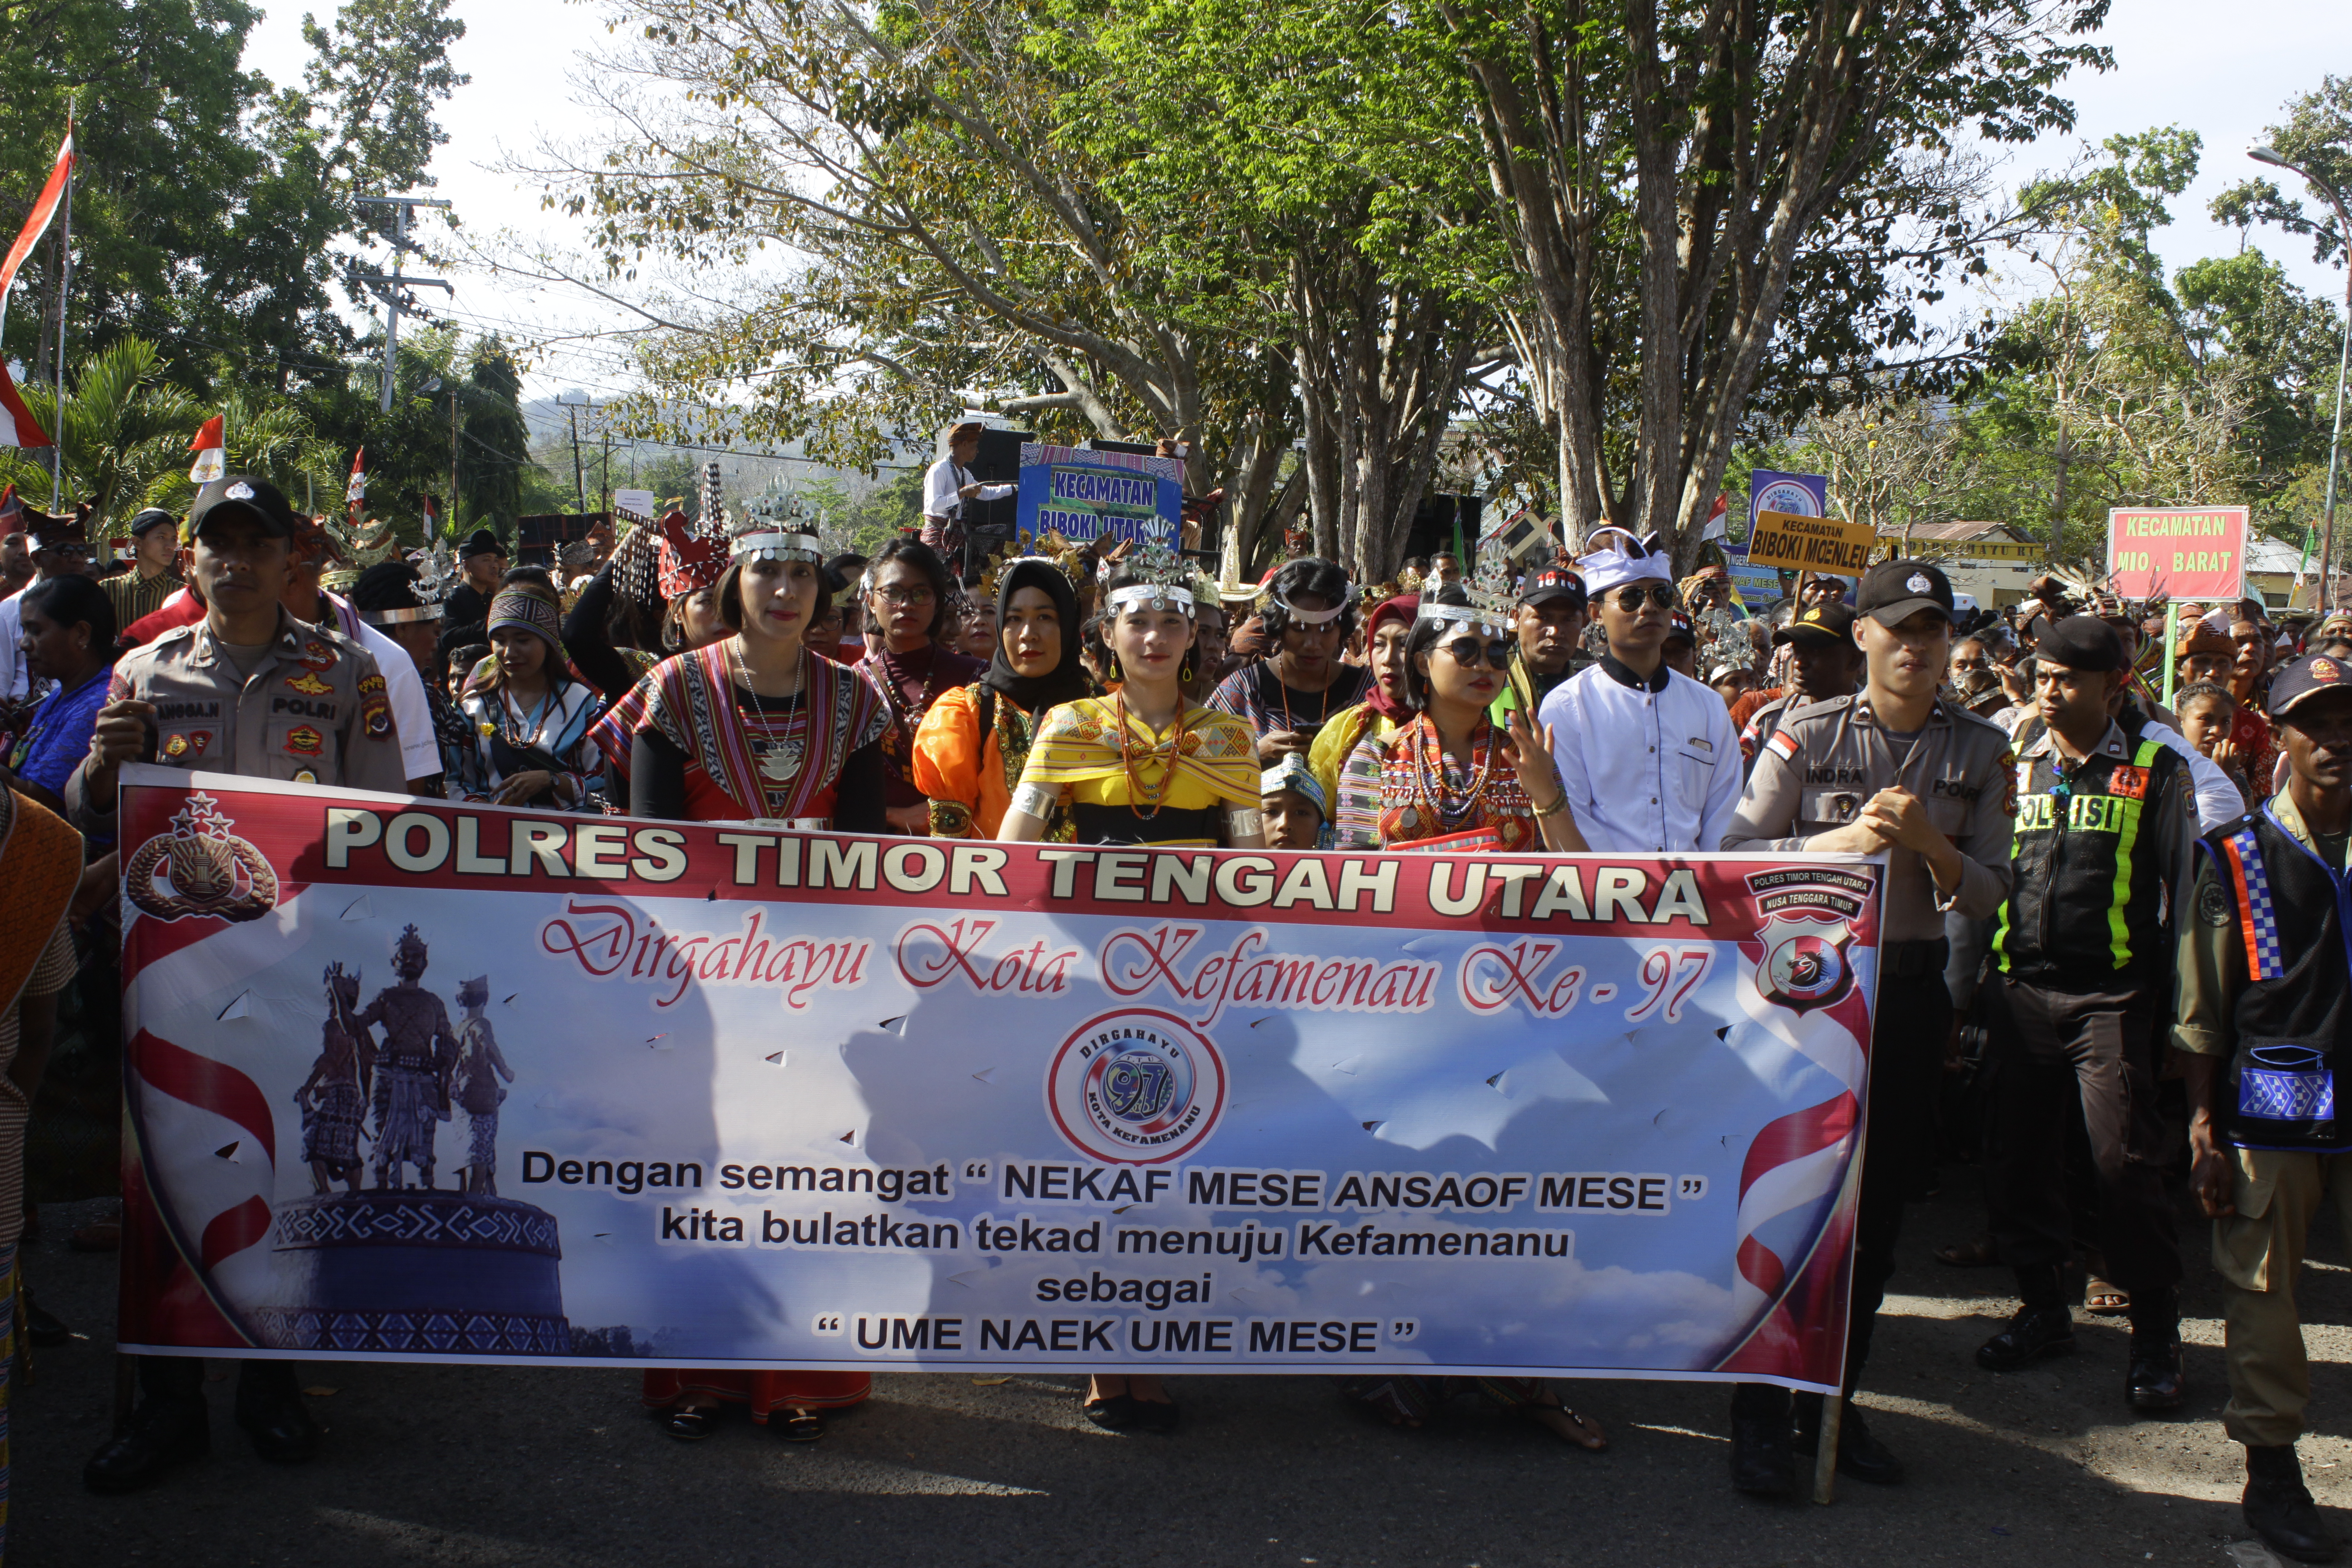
pixel 1292 801
pixel 2207 710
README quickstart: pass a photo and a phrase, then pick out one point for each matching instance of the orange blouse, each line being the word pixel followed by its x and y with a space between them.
pixel 960 770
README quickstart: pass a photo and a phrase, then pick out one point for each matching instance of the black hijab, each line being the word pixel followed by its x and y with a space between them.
pixel 1067 683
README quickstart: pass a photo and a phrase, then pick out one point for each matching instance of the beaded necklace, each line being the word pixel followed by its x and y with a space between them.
pixel 1138 794
pixel 1435 792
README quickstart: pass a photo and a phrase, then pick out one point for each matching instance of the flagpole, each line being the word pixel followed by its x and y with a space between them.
pixel 65 294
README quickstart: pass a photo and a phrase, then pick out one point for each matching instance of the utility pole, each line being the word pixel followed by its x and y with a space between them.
pixel 388 285
pixel 450 511
pixel 578 477
pixel 604 480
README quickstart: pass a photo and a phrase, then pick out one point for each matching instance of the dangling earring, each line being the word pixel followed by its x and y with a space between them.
pixel 1184 672
pixel 1114 675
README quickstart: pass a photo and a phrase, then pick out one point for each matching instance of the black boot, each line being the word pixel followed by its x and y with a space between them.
pixel 1760 1465
pixel 1860 1455
pixel 269 1407
pixel 2034 1333
pixel 163 1432
pixel 2279 1507
pixel 2156 1381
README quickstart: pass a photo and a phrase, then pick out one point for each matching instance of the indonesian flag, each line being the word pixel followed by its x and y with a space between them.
pixel 18 425
pixel 355 492
pixel 1718 521
pixel 212 456
pixel 45 209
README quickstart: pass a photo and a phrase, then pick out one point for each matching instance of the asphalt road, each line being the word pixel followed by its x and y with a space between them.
pixel 559 1469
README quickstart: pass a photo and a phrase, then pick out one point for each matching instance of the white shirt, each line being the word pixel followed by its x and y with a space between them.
pixel 412 719
pixel 942 489
pixel 1650 766
pixel 13 681
pixel 2217 801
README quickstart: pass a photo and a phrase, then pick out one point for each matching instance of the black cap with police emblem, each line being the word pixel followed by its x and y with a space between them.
pixel 244 495
pixel 1894 591
pixel 2307 678
pixel 1549 582
pixel 1818 625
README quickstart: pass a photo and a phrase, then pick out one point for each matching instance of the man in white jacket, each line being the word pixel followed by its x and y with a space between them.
pixel 1648 756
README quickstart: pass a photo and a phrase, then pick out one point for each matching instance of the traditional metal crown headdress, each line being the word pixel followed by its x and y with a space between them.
pixel 777 530
pixel 1161 581
pixel 1298 618
pixel 1490 595
pixel 436 575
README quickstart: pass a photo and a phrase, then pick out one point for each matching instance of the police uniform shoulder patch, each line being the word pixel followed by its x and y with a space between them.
pixel 2213 903
pixel 2008 781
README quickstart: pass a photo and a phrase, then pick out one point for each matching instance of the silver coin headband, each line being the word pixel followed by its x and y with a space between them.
pixel 776 545
pixel 1158 595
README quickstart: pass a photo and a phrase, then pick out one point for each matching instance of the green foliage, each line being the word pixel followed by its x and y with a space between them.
pixel 2316 137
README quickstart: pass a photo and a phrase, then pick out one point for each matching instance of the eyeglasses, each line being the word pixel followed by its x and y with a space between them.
pixel 1631 599
pixel 903 598
pixel 1468 651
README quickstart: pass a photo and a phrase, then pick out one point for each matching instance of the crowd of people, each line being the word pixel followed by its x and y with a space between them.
pixel 2113 955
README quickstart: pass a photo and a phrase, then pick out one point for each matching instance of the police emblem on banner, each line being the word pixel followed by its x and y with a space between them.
pixel 1136 1088
pixel 1805 964
pixel 200 867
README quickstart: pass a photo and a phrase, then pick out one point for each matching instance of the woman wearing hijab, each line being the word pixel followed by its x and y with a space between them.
pixel 531 719
pixel 974 740
pixel 1386 708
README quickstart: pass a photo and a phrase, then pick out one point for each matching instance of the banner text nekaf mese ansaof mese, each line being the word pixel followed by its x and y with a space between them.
pixel 411 1081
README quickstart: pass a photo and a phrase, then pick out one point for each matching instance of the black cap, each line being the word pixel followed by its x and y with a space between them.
pixel 1550 582
pixel 244 495
pixel 2084 643
pixel 2307 678
pixel 1818 625
pixel 1678 624
pixel 1894 591
pixel 151 517
pixel 481 541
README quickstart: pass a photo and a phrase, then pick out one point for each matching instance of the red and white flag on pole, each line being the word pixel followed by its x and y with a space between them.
pixel 355 492
pixel 18 425
pixel 211 455
pixel 45 209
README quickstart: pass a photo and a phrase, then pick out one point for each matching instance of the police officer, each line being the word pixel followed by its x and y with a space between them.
pixel 2266 1014
pixel 1823 663
pixel 252 691
pixel 1892 769
pixel 2105 831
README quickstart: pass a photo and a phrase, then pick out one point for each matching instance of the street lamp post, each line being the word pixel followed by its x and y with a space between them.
pixel 2272 156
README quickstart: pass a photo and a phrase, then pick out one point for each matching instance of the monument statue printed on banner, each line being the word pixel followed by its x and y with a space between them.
pixel 412 1067
pixel 333 1098
pixel 481 1065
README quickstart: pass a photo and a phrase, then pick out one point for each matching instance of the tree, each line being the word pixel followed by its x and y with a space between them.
pixel 1666 189
pixel 2317 136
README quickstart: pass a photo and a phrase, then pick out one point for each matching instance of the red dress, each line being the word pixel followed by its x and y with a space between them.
pixel 690 699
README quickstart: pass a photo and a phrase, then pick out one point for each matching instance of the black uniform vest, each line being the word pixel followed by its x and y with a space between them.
pixel 2287 909
pixel 2087 908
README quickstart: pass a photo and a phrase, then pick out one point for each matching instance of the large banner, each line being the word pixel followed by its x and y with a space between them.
pixel 410 1080
pixel 1086 495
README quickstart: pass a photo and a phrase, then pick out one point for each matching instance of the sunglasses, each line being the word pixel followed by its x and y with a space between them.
pixel 1630 599
pixel 1469 651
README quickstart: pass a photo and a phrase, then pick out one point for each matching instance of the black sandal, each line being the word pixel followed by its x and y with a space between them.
pixel 688 1426
pixel 1112 1412
pixel 801 1426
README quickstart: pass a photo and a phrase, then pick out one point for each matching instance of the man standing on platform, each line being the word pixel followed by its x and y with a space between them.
pixel 248 689
pixel 2106 829
pixel 2266 1014
pixel 947 486
pixel 1894 771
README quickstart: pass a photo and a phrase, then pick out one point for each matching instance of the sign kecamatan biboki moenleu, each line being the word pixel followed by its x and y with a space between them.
pixel 417 1081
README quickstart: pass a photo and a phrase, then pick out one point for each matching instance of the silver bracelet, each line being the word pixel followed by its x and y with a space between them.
pixel 1242 822
pixel 1035 802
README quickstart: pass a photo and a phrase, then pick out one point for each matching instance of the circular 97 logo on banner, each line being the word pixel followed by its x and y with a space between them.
pixel 1136 1088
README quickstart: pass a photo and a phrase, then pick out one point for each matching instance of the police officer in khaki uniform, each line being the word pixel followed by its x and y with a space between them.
pixel 1894 770
pixel 252 691
pixel 2265 1040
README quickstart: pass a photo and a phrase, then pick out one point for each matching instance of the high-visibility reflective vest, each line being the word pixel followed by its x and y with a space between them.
pixel 2087 901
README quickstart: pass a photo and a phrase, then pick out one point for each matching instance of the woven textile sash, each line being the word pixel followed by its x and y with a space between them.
pixel 40 863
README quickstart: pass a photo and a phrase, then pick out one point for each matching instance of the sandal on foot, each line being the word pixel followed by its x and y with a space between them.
pixel 687 1426
pixel 1586 1434
pixel 1112 1413
pixel 2105 1299
pixel 801 1426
